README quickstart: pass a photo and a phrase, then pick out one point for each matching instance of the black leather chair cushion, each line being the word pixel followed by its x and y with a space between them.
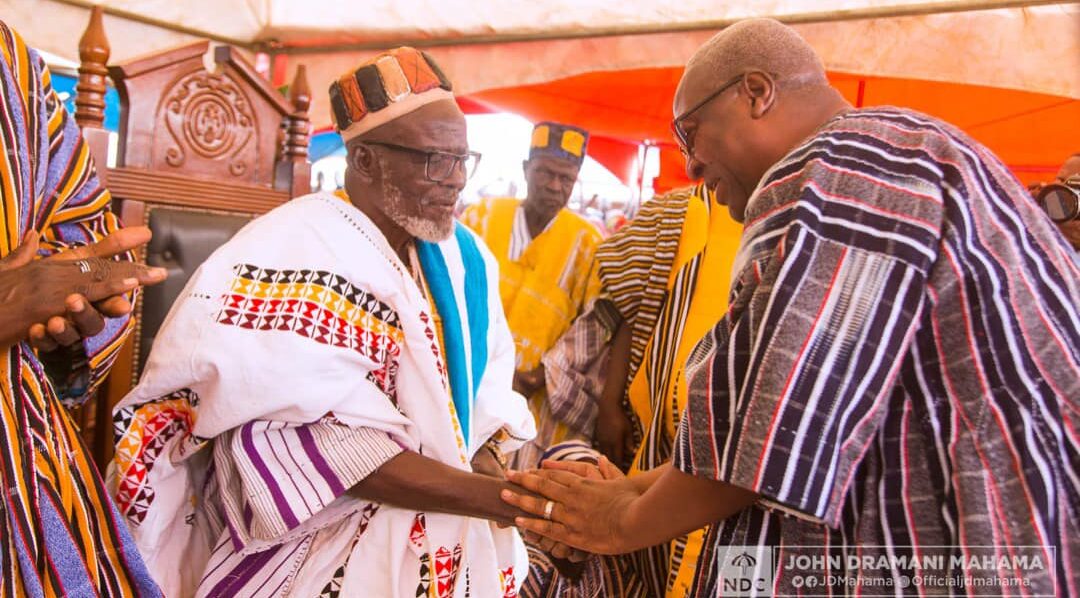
pixel 183 239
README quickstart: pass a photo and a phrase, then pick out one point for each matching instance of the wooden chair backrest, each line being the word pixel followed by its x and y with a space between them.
pixel 200 152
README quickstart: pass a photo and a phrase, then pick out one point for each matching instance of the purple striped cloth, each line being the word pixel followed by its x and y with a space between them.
pixel 899 373
pixel 276 475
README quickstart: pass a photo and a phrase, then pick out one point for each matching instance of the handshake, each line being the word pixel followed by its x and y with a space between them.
pixel 581 508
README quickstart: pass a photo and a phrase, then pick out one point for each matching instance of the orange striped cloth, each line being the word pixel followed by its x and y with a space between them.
pixel 60 534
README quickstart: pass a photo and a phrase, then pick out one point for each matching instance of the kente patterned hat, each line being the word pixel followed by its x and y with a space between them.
pixel 384 88
pixel 559 141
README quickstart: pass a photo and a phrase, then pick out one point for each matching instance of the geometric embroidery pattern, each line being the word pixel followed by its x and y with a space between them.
pixel 321 306
pixel 142 434
pixel 332 589
pixel 446 570
pixel 509 584
pixel 436 340
pixel 447 565
pixel 437 576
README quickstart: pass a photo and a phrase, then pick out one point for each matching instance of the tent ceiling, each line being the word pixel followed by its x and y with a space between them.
pixel 377 22
pixel 1034 49
pixel 1009 72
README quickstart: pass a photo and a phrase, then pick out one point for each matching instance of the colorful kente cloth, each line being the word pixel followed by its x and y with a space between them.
pixel 59 532
pixel 899 373
pixel 288 372
pixel 543 290
pixel 663 273
pixel 691 301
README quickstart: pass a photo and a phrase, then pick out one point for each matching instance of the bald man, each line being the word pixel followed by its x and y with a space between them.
pixel 888 405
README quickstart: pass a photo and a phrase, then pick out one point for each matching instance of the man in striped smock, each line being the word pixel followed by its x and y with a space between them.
pixel 60 534
pixel 617 374
pixel 890 403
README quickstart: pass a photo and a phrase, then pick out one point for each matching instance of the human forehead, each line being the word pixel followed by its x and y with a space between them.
pixel 693 86
pixel 1069 168
pixel 440 128
pixel 555 165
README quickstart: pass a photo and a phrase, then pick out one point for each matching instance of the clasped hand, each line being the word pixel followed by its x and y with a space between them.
pixel 59 300
pixel 590 504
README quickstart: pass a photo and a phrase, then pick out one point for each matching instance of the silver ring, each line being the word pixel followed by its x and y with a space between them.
pixel 548 508
pixel 84 266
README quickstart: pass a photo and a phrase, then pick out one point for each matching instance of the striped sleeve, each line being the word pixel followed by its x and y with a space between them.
pixel 786 393
pixel 275 475
pixel 75 210
pixel 575 367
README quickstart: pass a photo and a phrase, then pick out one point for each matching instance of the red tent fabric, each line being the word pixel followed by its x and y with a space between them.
pixel 1032 133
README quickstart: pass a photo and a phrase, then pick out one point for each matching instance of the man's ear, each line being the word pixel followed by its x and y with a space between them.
pixel 362 161
pixel 761 89
pixel 525 168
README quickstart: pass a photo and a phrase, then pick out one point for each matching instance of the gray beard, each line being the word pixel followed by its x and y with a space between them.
pixel 432 231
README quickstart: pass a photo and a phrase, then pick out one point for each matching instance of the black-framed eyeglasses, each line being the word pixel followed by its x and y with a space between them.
pixel 677 124
pixel 439 165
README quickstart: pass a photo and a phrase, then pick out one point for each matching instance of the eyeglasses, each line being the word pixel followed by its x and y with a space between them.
pixel 439 165
pixel 677 124
pixel 1061 199
pixel 544 176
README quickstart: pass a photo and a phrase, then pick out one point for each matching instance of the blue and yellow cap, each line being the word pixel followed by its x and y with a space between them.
pixel 557 140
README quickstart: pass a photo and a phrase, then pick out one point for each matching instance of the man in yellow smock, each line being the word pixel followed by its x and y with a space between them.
pixel 545 252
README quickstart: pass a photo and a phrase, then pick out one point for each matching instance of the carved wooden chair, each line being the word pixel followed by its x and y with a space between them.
pixel 201 152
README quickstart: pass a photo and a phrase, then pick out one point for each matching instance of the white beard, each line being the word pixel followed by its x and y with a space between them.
pixel 424 229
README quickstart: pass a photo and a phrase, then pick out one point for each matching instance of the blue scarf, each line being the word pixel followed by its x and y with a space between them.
pixel 437 275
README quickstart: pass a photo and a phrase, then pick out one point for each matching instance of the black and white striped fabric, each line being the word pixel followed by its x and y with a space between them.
pixel 899 373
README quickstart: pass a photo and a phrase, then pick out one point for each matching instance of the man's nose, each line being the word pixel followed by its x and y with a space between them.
pixel 458 177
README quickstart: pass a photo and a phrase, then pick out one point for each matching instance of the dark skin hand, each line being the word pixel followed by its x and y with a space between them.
pixel 604 470
pixel 567 560
pixel 614 432
pixel 418 483
pixel 415 482
pixel 54 303
pixel 622 515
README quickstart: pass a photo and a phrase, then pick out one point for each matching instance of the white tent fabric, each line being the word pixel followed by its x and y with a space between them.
pixel 486 44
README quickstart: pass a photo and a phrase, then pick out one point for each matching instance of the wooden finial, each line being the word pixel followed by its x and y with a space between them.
pixel 296 139
pixel 93 55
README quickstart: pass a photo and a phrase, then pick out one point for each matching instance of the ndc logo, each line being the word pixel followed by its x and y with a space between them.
pixel 749 572
pixel 744 560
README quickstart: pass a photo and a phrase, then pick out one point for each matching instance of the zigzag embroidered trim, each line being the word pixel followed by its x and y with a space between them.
pixel 142 432
pixel 321 306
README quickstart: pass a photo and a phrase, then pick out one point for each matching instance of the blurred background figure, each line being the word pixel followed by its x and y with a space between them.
pixel 545 253
pixel 1061 199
